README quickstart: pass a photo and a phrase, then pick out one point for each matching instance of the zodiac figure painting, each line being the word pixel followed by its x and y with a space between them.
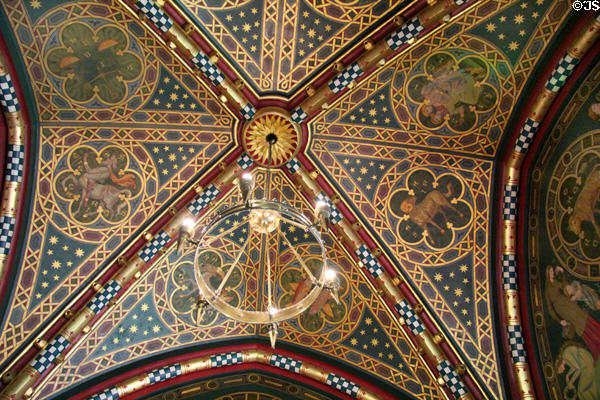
pixel 430 209
pixel 184 298
pixel 579 196
pixel 98 185
pixel 185 295
pixel 213 271
pixel 94 63
pixel 325 310
pixel 452 91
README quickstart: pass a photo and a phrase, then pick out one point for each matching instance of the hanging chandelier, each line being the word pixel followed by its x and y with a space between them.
pixel 246 265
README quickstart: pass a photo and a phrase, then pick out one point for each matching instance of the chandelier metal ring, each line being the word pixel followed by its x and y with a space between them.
pixel 255 207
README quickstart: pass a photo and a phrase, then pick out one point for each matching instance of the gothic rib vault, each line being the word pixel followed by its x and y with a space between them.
pixel 417 121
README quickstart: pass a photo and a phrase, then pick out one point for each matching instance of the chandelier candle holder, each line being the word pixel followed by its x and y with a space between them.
pixel 260 261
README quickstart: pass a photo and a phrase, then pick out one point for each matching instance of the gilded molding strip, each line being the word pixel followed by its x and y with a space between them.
pixel 180 38
pixel 214 361
pixel 375 54
pixel 512 171
pixel 54 352
pixel 15 163
pixel 446 373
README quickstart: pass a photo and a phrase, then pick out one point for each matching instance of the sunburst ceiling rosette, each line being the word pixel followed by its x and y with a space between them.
pixel 271 121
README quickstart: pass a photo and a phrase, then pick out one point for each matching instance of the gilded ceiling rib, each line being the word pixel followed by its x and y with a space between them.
pixel 336 380
pixel 376 54
pixel 183 41
pixel 15 161
pixel 511 172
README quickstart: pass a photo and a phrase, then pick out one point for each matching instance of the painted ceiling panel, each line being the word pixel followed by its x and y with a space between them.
pixel 445 255
pixel 455 90
pixel 90 62
pixel 114 145
pixel 278 45
pixel 95 188
pixel 158 314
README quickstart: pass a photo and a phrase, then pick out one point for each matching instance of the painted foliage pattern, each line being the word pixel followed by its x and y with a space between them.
pixel 431 209
pixel 158 313
pixel 564 242
pixel 279 45
pixel 97 185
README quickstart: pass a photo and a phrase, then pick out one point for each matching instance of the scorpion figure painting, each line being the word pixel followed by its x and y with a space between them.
pixel 565 251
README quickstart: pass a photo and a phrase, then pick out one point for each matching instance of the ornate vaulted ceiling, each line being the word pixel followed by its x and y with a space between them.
pixel 456 141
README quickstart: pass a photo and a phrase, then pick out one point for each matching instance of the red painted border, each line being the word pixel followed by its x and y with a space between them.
pixel 239 367
pixel 372 387
pixel 522 206
pixel 25 184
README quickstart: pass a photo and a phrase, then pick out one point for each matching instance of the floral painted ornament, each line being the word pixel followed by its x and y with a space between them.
pixel 94 63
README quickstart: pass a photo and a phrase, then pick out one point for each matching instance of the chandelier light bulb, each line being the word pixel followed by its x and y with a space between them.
pixel 321 205
pixel 273 311
pixel 322 211
pixel 330 275
pixel 247 176
pixel 188 223
pixel 185 232
pixel 246 184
